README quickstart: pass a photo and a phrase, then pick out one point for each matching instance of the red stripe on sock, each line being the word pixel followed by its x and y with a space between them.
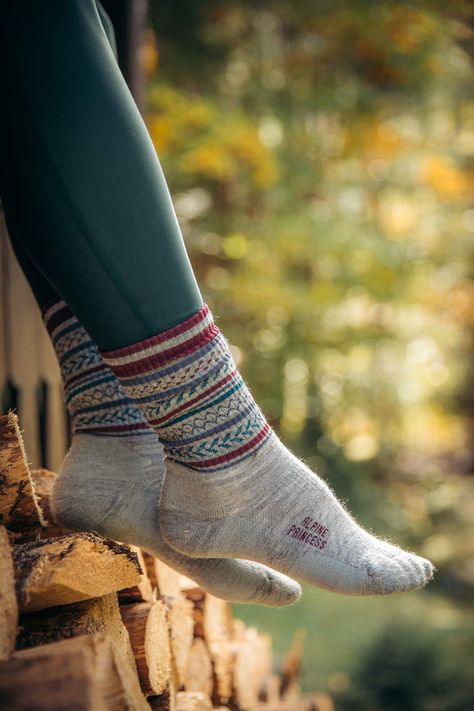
pixel 160 337
pixel 226 458
pixel 140 366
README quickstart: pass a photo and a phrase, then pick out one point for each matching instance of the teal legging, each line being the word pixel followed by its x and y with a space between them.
pixel 79 178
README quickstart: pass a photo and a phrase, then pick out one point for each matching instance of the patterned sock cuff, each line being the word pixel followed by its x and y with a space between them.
pixel 94 398
pixel 189 389
pixel 164 348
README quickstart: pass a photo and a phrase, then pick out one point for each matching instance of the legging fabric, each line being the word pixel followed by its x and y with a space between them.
pixel 80 181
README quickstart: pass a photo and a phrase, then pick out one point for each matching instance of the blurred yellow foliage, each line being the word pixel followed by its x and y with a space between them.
pixel 203 139
pixel 397 213
pixel 450 182
pixel 208 160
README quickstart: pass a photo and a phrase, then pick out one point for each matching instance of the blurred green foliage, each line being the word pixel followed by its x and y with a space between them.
pixel 320 156
pixel 413 672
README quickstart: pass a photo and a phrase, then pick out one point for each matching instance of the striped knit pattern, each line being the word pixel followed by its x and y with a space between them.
pixel 189 390
pixel 94 398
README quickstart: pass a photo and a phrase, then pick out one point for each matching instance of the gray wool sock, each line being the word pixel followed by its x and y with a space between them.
pixel 232 488
pixel 110 481
pixel 112 486
pixel 273 509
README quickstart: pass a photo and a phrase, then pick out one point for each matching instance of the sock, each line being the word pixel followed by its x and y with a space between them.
pixel 94 398
pixel 111 479
pixel 232 488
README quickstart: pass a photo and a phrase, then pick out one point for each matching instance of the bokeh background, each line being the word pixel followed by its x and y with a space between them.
pixel 320 157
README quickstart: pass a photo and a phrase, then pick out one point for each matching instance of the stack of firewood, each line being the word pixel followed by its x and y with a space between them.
pixel 90 623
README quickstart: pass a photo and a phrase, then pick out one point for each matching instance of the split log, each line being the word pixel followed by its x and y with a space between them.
pixel 80 674
pixel 197 596
pixel 217 624
pixel 19 509
pixel 181 625
pixel 168 579
pixel 148 629
pixel 192 701
pixel 169 582
pixel 43 481
pixel 101 614
pixel 291 673
pixel 253 663
pixel 58 571
pixel 83 618
pixel 8 603
pixel 198 675
pixel 270 691
pixel 144 590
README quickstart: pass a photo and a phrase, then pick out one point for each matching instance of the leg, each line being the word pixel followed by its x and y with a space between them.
pixel 75 153
pixel 232 488
pixel 112 476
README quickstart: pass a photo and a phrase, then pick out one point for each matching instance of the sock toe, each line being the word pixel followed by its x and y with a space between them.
pixel 402 573
pixel 277 590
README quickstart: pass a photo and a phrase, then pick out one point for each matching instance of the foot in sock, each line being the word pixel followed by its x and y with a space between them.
pixel 111 485
pixel 111 478
pixel 232 488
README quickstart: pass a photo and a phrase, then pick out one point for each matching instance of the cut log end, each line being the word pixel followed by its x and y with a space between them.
pixel 58 571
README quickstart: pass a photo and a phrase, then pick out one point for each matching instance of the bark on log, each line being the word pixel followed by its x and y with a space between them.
pixel 8 603
pixel 199 675
pixel 19 510
pixel 79 566
pixel 80 674
pixel 148 629
pixel 100 614
pixel 83 618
